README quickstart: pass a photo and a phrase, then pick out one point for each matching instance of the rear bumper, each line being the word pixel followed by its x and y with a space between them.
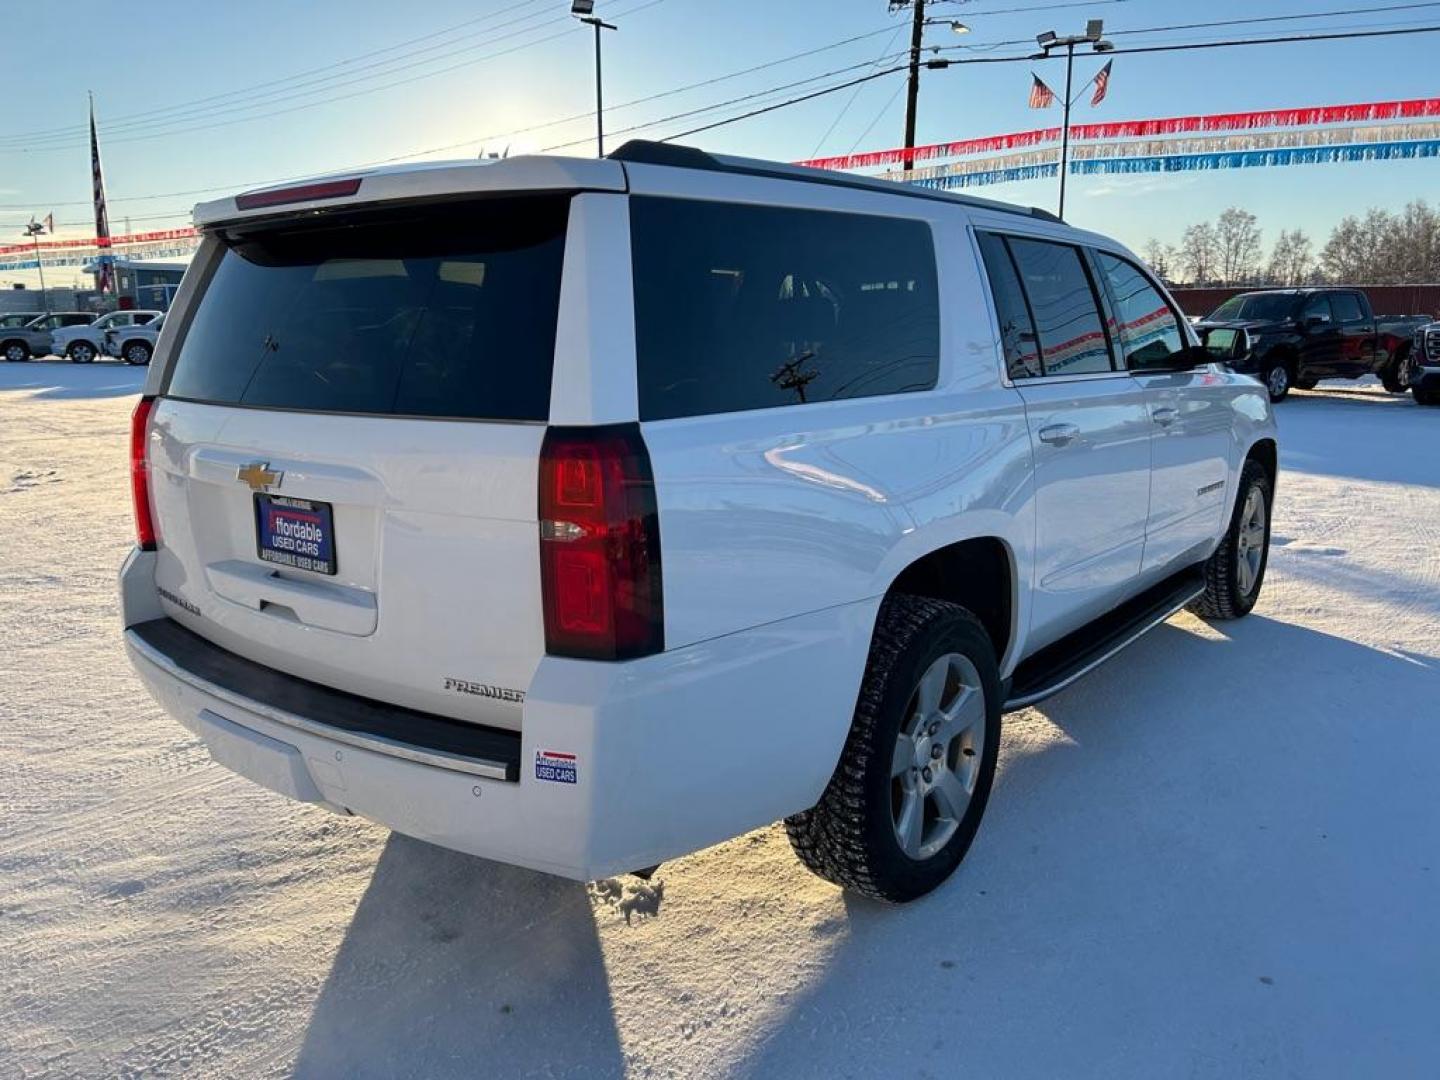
pixel 670 754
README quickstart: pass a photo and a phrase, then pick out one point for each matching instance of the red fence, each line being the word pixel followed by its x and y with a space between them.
pixel 1385 299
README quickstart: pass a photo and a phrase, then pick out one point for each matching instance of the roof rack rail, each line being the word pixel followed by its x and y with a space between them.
pixel 648 152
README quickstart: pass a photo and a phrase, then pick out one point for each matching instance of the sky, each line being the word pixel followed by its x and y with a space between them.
pixel 228 96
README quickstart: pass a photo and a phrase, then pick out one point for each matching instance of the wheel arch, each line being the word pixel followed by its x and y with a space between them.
pixel 980 573
pixel 1267 452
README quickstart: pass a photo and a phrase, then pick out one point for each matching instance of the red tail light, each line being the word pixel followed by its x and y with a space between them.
pixel 140 473
pixel 599 544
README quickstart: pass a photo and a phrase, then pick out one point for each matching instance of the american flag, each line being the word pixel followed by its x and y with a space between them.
pixel 104 278
pixel 1041 96
pixel 1102 83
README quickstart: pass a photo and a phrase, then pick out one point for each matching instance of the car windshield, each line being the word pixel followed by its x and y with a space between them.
pixel 17 320
pixel 1255 306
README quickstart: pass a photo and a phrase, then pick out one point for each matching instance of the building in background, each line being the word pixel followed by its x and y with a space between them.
pixel 144 283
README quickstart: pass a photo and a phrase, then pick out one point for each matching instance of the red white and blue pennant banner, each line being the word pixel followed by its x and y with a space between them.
pixel 1311 116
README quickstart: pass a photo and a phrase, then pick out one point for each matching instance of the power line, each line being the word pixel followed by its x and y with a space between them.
pixel 126 119
pixel 344 97
pixel 723 104
pixel 884 51
pixel 1188 46
pixel 1183 47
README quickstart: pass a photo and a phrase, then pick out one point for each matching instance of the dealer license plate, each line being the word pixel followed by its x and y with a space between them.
pixel 295 532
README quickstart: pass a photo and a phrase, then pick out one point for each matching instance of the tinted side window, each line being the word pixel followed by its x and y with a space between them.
pixel 750 307
pixel 1072 337
pixel 1017 329
pixel 445 311
pixel 1148 333
pixel 1346 307
pixel 1318 307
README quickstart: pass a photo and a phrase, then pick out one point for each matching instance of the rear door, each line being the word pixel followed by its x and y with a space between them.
pixel 345 468
pixel 1089 428
pixel 1358 340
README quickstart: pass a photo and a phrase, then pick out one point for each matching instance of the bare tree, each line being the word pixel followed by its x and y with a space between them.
pixel 1412 244
pixel 1161 258
pixel 1237 236
pixel 1198 252
pixel 1356 251
pixel 1291 260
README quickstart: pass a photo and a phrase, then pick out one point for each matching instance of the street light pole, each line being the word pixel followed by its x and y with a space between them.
pixel 1050 40
pixel 33 230
pixel 583 9
pixel 1065 128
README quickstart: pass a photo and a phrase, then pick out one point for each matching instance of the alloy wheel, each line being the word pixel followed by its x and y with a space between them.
pixel 937 756
pixel 1250 542
pixel 15 353
pixel 1278 381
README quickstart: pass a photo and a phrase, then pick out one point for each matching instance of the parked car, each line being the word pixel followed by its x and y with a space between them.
pixel 133 344
pixel 1296 337
pixel 82 344
pixel 1422 371
pixel 16 319
pixel 33 339
pixel 579 514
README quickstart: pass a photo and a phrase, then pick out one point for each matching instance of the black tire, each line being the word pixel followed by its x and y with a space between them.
pixel 1392 376
pixel 136 353
pixel 850 836
pixel 81 352
pixel 15 351
pixel 1278 379
pixel 1225 597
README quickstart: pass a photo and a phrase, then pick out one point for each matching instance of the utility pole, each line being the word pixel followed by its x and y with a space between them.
pixel 912 93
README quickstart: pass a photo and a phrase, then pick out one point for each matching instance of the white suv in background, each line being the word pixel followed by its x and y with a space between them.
pixel 134 344
pixel 580 514
pixel 82 344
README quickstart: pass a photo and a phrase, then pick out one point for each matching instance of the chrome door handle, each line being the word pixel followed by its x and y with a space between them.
pixel 1165 416
pixel 1059 434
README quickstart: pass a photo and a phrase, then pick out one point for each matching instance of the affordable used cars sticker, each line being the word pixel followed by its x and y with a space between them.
pixel 557 767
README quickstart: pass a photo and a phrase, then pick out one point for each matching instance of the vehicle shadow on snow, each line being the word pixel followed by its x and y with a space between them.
pixel 1359 434
pixel 1184 830
pixel 62 380
pixel 456 966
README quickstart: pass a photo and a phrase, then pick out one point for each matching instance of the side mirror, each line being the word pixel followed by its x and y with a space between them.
pixel 1220 344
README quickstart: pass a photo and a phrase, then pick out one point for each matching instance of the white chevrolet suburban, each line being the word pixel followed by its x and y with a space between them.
pixel 580 514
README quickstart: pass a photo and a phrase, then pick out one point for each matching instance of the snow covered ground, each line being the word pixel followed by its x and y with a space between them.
pixel 1219 856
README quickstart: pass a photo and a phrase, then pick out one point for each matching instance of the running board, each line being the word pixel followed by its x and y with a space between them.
pixel 1056 666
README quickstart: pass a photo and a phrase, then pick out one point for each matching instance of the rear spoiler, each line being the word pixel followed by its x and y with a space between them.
pixel 415 181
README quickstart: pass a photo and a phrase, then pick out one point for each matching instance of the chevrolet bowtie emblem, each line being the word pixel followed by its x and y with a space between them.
pixel 259 475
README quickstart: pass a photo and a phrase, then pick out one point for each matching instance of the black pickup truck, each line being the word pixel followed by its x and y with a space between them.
pixel 1296 337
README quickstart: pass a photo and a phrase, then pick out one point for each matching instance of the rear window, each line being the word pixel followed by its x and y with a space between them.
pixel 750 307
pixel 445 311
